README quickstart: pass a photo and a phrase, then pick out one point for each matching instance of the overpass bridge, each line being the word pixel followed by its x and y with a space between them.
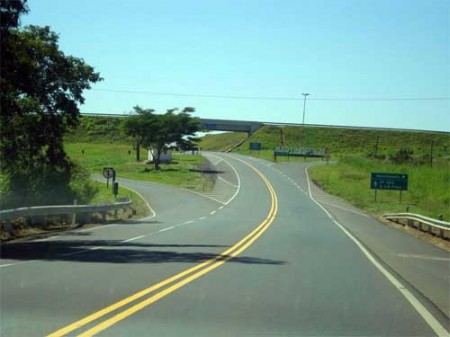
pixel 209 124
pixel 230 125
pixel 251 126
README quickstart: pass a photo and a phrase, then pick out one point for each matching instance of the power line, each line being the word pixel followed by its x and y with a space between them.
pixel 274 98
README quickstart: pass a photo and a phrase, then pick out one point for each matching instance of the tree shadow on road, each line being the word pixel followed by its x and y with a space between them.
pixel 109 251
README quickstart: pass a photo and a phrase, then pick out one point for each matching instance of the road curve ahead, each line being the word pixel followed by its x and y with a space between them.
pixel 255 257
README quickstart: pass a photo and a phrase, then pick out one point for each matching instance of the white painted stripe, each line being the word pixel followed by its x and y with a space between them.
pixel 152 211
pixel 95 228
pixel 424 257
pixel 190 221
pixel 202 218
pixel 213 212
pixel 237 177
pixel 7 265
pixel 166 229
pixel 136 238
pixel 221 207
pixel 345 209
pixel 49 238
pixel 420 308
pixel 227 182
pixel 95 248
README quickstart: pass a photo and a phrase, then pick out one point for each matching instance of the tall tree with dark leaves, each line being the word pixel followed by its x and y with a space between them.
pixel 41 89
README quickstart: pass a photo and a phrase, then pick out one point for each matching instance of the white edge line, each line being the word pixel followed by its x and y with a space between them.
pixel 136 238
pixel 95 228
pixel 203 195
pixel 152 211
pixel 238 187
pixel 213 212
pixel 187 222
pixel 345 209
pixel 227 182
pixel 420 308
pixel 6 265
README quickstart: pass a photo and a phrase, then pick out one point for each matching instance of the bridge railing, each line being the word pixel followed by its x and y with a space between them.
pixel 432 226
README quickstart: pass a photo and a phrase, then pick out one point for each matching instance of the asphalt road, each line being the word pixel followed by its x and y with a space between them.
pixel 257 256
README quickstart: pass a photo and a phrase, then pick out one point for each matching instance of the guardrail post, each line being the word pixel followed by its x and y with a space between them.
pixel 9 228
pixel 74 214
pixel 409 223
pixel 115 213
pixel 104 215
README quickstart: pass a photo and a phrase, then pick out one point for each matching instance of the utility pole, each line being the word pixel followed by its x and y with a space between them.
pixel 303 123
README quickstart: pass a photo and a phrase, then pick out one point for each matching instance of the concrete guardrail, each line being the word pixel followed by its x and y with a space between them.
pixel 425 224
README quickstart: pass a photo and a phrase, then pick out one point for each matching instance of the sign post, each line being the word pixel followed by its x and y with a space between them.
pixel 108 173
pixel 389 181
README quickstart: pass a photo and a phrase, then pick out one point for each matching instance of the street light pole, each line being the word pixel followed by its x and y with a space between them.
pixel 304 106
pixel 303 123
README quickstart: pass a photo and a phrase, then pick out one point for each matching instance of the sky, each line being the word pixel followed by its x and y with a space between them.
pixel 383 63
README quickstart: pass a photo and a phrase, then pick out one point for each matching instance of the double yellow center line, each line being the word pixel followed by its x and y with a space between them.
pixel 175 282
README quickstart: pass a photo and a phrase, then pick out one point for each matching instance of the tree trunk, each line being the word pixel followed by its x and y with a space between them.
pixel 138 151
pixel 157 158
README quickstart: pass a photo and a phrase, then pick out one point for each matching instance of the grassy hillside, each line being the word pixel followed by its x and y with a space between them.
pixel 221 141
pixel 427 194
pixel 428 190
pixel 341 141
pixel 98 129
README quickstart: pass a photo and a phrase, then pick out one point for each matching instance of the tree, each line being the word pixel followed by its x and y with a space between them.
pixel 176 129
pixel 160 131
pixel 41 88
pixel 141 126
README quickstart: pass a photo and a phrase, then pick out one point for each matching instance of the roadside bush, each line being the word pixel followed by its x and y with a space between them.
pixel 82 187
pixel 404 155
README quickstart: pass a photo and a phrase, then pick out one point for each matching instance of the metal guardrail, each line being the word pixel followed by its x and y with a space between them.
pixel 436 227
pixel 24 212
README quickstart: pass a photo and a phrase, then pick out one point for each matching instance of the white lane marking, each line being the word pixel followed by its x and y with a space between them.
pixel 345 209
pixel 17 263
pixel 7 265
pixel 420 308
pixel 152 211
pixel 166 229
pixel 49 238
pixel 221 207
pixel 203 195
pixel 190 221
pixel 213 212
pixel 136 238
pixel 237 177
pixel 95 248
pixel 202 218
pixel 95 228
pixel 424 257
pixel 227 182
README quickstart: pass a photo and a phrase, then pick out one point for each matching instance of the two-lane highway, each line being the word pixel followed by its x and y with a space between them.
pixel 256 257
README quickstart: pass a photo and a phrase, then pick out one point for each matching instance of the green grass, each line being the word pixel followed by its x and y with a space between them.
pixel 428 188
pixel 221 141
pixel 180 173
pixel 105 196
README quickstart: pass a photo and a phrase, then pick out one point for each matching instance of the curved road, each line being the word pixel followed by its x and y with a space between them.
pixel 258 256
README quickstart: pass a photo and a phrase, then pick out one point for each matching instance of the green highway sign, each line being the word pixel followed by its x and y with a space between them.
pixel 389 181
pixel 255 146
